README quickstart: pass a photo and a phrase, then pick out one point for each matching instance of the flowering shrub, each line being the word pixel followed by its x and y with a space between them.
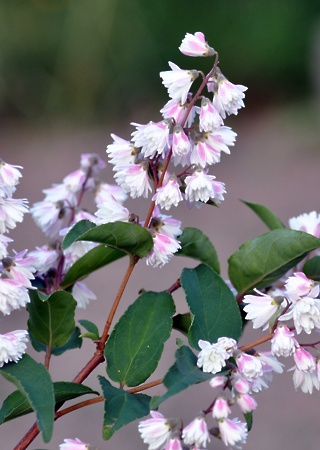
pixel 273 281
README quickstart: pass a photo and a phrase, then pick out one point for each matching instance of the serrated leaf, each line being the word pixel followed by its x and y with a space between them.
pixel 212 304
pixel 266 215
pixel 94 259
pixel 181 375
pixel 75 341
pixel 121 407
pixel 127 237
pixel 263 260
pixel 136 343
pixel 90 327
pixel 17 404
pixel 39 394
pixel 51 320
pixel 76 231
pixel 312 268
pixel 197 245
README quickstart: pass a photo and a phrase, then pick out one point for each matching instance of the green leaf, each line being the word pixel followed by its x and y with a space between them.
pixel 51 319
pixel 312 268
pixel 34 382
pixel 94 259
pixel 76 231
pixel 127 237
pixel 181 375
pixel 249 419
pixel 197 245
pixel 75 341
pixel 121 407
pixel 263 260
pixel 93 332
pixel 215 310
pixel 135 345
pixel 17 404
pixel 182 322
pixel 266 215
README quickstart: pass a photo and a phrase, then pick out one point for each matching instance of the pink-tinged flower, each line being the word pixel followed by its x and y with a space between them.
pixel 229 344
pixel 111 211
pixel 306 314
pixel 299 285
pixel 121 152
pixel 246 403
pixel 249 366
pixel 168 194
pixel 82 294
pixel 45 258
pixel 153 138
pixel 218 381
pixel 196 433
pixel 156 431
pixel 12 346
pixel 175 110
pixel 50 217
pixel 9 178
pixel 134 179
pixel 228 97
pixel 201 186
pixel 61 193
pixel 73 444
pixel 162 251
pixel 209 118
pixel 164 224
pixel 306 381
pixel 11 212
pixel 283 342
pixel 269 364
pixel 233 432
pixel 75 251
pixel 178 82
pixel 19 268
pixel 204 155
pixel 307 222
pixel 12 295
pixel 304 360
pixel 240 384
pixel 221 139
pixel 81 214
pixel 4 241
pixel 173 444
pixel 212 357
pixel 93 162
pixel 221 408
pixel 104 190
pixel 75 180
pixel 181 146
pixel 195 45
pixel 260 308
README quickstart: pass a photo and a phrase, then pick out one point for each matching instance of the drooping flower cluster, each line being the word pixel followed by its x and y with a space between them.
pixel 16 270
pixel 188 135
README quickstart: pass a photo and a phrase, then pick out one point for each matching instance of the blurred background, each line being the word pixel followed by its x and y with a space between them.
pixel 73 71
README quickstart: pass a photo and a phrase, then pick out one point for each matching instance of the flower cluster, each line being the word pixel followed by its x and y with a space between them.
pixel 16 270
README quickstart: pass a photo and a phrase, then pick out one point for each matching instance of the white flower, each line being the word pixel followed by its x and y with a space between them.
pixel 12 346
pixel 9 178
pixel 168 194
pixel 156 431
pixel 61 192
pixel 164 224
pixel 12 295
pixel 19 268
pixel 104 190
pixel 175 110
pixel 221 408
pixel 249 366
pixel 218 381
pixel 221 139
pixel 82 294
pixel 195 45
pixel 306 314
pixel 228 97
pixel 111 211
pixel 121 152
pixel 134 179
pixel 306 381
pixel 260 308
pixel 50 216
pixel 246 403
pixel 153 138
pixel 307 222
pixel 11 212
pixel 4 241
pixel 304 360
pixel 93 162
pixel 173 444
pixel 299 285
pixel 201 186
pixel 164 247
pixel 229 344
pixel 73 444
pixel 196 433
pixel 75 180
pixel 181 146
pixel 233 432
pixel 283 342
pixel 44 258
pixel 212 357
pixel 209 118
pixel 178 82
pixel 75 251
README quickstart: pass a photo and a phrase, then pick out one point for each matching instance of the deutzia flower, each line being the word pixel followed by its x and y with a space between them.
pixel 228 97
pixel 121 152
pixel 304 360
pixel 50 217
pixel 73 444
pixel 246 403
pixel 82 294
pixel 177 111
pixel 153 138
pixel 221 139
pixel 221 408
pixel 11 212
pixel 181 146
pixel 212 357
pixel 201 186
pixel 111 211
pixel 283 342
pixel 195 45
pixel 307 222
pixel 45 258
pixel 233 432
pixel 306 314
pixel 104 190
pixel 9 178
pixel 196 433
pixel 12 346
pixel 299 285
pixel 156 431
pixel 173 444
pixel 19 268
pixel 4 241
pixel 134 179
pixel 306 381
pixel 12 295
pixel 260 308
pixel 209 118
pixel 168 195
pixel 178 82
pixel 249 366
pixel 93 162
pixel 163 249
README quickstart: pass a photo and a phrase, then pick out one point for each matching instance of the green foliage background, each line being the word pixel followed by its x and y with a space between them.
pixel 80 58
